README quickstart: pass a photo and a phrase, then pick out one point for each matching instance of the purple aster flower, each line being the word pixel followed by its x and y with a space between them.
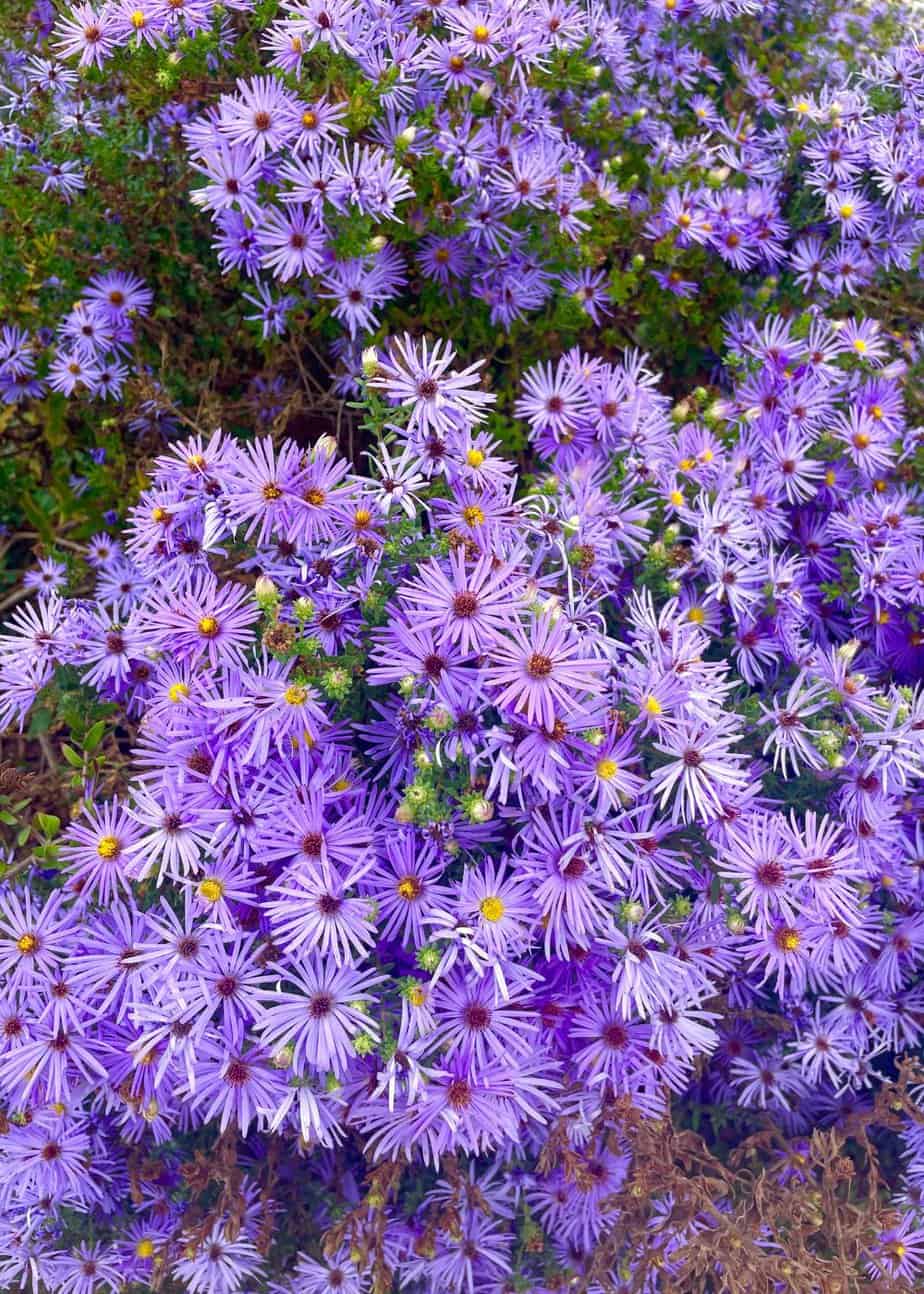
pixel 218 1264
pixel 470 607
pixel 315 1025
pixel 291 242
pixel 262 115
pixel 310 907
pixel 88 32
pixel 201 617
pixel 236 1086
pixel 701 766
pixel 540 670
pixel 420 379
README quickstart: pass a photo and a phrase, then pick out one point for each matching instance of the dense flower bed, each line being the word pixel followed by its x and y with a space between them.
pixel 447 837
pixel 462 590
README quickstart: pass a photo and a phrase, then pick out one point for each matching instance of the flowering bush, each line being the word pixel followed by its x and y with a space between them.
pixel 461 811
pixel 471 829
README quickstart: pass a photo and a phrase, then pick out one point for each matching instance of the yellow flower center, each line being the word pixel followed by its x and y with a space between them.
pixel 876 412
pixel 271 492
pixel 417 996
pixel 409 888
pixel 341 784
pixel 882 618
pixel 177 691
pixel 860 346
pixel 138 20
pixel 361 518
pixel 607 769
pixel 211 889
pixel 309 119
pixel 697 615
pixel 295 695
pixel 315 496
pixel 684 220
pixel 145 1248
pixel 676 498
pixel 27 944
pixel 473 516
pixel 653 705
pixel 846 209
pixel 492 908
pixel 160 515
pixel 208 627
pixel 108 847
pixel 195 461
pixel 474 458
pixel 830 476
pixel 480 34
pixel 788 939
pixel 687 464
pixel 861 440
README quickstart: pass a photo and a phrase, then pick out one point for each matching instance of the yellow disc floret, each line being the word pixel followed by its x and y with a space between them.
pixel 473 516
pixel 492 908
pixel 211 889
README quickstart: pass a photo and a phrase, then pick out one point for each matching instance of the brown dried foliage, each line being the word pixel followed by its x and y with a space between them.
pixel 748 1226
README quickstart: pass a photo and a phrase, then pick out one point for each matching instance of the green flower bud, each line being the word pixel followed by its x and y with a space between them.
pixel 428 958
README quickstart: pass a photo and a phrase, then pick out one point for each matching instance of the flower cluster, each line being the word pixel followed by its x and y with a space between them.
pixel 512 155
pixel 93 341
pixel 466 813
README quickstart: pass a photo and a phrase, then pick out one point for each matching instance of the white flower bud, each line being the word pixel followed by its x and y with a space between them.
pixel 325 447
pixel 265 590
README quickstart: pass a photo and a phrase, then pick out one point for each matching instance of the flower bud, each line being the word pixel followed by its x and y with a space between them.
pixel 266 593
pixel 282 1059
pixel 481 810
pixel 325 447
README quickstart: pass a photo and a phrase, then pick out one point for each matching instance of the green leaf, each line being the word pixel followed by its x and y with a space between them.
pixel 48 823
pixel 73 757
pixel 94 736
